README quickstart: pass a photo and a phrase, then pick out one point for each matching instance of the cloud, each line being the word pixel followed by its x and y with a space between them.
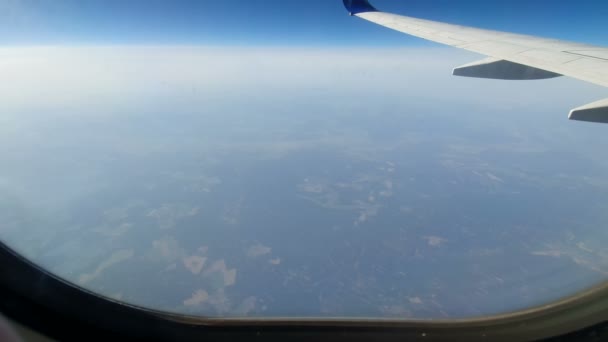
pixel 167 248
pixel 168 215
pixel 115 258
pixel 258 250
pixel 228 275
pixel 199 297
pixel 435 241
pixel 194 263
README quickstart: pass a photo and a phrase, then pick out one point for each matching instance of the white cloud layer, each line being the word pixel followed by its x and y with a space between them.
pixel 69 78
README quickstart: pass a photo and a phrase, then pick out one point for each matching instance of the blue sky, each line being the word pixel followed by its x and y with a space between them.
pixel 279 22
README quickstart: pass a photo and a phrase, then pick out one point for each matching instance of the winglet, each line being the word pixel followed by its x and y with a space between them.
pixel 358 6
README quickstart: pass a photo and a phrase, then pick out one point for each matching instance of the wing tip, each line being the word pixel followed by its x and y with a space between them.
pixel 358 6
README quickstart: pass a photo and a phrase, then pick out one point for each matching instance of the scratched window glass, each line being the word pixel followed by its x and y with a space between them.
pixel 225 160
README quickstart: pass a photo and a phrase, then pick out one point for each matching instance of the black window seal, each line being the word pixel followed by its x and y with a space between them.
pixel 61 310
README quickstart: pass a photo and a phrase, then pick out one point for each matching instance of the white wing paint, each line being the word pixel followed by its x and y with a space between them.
pixel 511 56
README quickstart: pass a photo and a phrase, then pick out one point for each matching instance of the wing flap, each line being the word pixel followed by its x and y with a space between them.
pixel 502 70
pixel 593 112
pixel 599 54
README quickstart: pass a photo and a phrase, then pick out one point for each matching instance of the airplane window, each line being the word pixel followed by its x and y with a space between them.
pixel 226 160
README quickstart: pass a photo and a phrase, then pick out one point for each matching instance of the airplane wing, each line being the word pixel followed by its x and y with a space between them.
pixel 510 56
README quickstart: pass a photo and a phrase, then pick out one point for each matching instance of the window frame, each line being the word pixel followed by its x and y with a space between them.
pixel 34 297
